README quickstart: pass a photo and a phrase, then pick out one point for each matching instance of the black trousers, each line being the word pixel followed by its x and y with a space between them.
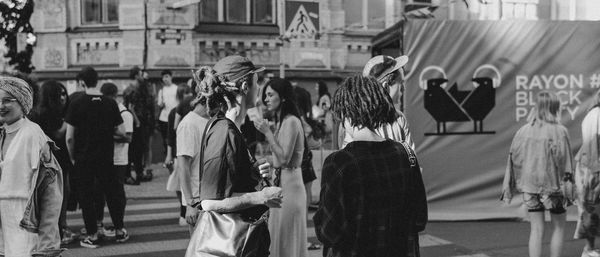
pixel 109 184
pixel 100 199
pixel 163 128
pixel 137 148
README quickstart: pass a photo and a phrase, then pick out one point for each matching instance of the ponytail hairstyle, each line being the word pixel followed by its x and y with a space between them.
pixel 217 91
pixel 546 109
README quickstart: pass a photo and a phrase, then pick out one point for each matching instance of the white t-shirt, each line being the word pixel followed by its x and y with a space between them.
pixel 189 142
pixel 122 149
pixel 168 97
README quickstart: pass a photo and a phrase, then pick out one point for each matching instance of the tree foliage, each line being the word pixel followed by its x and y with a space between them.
pixel 14 19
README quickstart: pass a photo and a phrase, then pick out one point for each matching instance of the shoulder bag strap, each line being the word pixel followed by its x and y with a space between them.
pixel 412 158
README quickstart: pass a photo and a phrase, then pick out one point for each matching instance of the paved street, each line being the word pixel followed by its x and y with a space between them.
pixel 152 224
pixel 152 217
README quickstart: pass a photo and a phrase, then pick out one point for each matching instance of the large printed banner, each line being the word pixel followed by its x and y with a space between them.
pixel 470 87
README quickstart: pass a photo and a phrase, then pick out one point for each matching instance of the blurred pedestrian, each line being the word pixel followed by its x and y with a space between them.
pixel 138 98
pixel 538 164
pixel 372 194
pixel 288 224
pixel 92 122
pixel 171 163
pixel 189 141
pixel 323 103
pixel 166 100
pixel 229 175
pixel 49 114
pixel 28 224
pixel 389 72
pixel 587 180
pixel 308 171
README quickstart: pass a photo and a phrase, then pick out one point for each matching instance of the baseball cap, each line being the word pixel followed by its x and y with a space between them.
pixel 234 67
pixel 382 65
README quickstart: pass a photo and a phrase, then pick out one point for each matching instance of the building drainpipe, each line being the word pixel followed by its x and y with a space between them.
pixel 281 38
pixel 145 53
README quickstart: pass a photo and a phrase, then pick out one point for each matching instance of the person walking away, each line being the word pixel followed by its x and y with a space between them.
pixel 372 194
pixel 189 139
pixel 308 171
pixel 23 148
pixel 230 90
pixel 121 150
pixel 539 162
pixel 166 100
pixel 587 181
pixel 49 114
pixel 138 99
pixel 288 224
pixel 92 121
pixel 171 159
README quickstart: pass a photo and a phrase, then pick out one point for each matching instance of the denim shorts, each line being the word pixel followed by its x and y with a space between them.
pixel 538 203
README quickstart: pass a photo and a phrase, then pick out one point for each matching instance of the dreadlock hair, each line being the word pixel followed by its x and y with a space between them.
pixel 364 102
pixel 286 94
pixel 215 89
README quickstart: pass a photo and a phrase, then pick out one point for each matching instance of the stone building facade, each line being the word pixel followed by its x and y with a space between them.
pixel 311 40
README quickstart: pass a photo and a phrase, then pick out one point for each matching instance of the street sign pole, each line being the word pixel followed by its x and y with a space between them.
pixel 281 38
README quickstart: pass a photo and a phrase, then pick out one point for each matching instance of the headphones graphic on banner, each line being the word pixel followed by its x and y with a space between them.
pixel 454 105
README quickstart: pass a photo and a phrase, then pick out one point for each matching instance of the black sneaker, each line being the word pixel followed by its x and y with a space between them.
pixel 121 235
pixel 88 242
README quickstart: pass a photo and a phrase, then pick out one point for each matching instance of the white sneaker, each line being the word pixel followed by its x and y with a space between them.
pixel 182 222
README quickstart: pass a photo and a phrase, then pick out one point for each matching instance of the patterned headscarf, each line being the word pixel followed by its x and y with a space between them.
pixel 20 90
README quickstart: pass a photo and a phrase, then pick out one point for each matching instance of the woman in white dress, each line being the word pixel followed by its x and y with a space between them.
pixel 287 225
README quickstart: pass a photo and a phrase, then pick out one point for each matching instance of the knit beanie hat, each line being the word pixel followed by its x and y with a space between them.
pixel 20 90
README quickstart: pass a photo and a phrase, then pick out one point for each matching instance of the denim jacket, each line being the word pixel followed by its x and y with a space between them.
pixel 540 155
pixel 43 207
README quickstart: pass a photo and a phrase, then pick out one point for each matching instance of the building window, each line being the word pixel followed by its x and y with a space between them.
pixel 366 14
pixel 209 11
pixel 94 12
pixel 237 11
pixel 519 9
pixel 263 12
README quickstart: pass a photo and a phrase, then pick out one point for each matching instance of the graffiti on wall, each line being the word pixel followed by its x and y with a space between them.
pixel 53 58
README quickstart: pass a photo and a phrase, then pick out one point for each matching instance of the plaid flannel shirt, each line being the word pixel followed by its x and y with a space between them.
pixel 372 202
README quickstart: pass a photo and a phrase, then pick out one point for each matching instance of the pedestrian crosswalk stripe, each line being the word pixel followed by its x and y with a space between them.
pixel 132 218
pixel 154 231
pixel 129 248
pixel 426 240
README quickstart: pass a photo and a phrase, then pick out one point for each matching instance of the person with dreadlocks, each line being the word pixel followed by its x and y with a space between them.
pixel 229 175
pixel 389 72
pixel 372 194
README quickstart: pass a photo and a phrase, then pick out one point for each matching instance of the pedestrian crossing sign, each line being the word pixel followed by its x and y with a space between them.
pixel 302 20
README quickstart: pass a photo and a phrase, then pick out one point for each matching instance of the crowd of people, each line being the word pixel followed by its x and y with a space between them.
pixel 100 142
pixel 60 151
